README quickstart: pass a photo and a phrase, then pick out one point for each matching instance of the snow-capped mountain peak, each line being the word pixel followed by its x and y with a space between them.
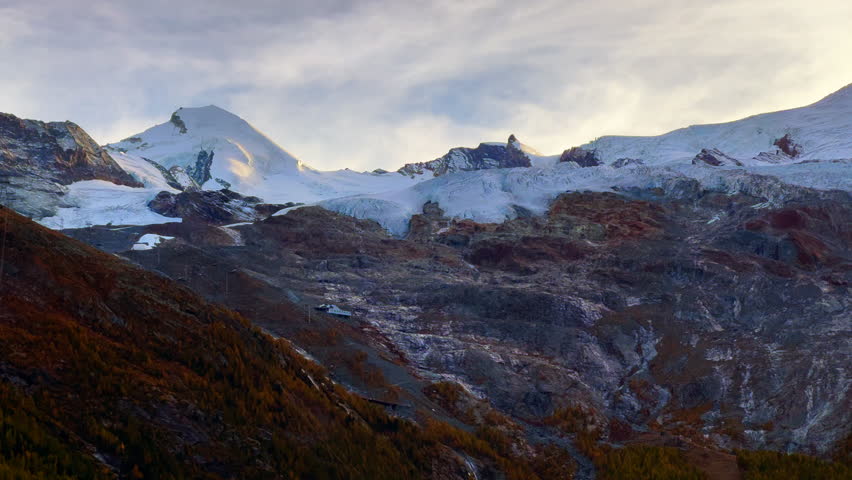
pixel 211 119
pixel 211 149
pixel 220 148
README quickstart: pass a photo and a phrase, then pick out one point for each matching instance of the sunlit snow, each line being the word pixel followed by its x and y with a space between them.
pixel 252 164
pixel 149 241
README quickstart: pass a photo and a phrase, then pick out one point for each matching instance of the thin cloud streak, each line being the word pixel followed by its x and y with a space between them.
pixel 378 84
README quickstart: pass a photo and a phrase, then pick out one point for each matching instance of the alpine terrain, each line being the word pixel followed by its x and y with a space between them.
pixel 675 306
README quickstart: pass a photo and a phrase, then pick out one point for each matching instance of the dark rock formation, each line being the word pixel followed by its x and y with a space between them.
pixel 215 207
pixel 515 156
pixel 200 172
pixel 580 156
pixel 38 159
pixel 60 152
pixel 715 158
pixel 169 174
pixel 485 156
pixel 788 146
pixel 178 122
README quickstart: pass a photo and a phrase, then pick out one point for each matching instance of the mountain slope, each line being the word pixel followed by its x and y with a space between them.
pixel 819 131
pixel 706 314
pixel 38 159
pixel 809 146
pixel 221 150
pixel 193 137
pixel 191 151
pixel 58 151
pixel 109 370
pixel 497 195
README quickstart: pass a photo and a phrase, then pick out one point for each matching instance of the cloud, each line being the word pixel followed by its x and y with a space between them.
pixel 380 83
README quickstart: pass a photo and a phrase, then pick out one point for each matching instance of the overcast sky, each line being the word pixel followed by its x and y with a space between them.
pixel 371 84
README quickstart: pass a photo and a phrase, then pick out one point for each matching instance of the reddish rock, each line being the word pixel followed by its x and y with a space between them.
pixel 788 146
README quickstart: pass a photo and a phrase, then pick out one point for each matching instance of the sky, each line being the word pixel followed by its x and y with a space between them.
pixel 379 83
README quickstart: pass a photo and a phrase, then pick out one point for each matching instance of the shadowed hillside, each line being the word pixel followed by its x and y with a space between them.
pixel 108 370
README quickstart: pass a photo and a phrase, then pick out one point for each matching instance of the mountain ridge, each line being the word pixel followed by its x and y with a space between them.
pixel 819 126
pixel 211 148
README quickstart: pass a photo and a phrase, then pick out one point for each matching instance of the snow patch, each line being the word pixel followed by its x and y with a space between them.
pixel 149 241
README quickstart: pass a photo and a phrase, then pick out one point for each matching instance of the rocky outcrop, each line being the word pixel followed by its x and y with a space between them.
pixel 485 156
pixel 175 177
pixel 215 207
pixel 788 146
pixel 190 178
pixel 58 151
pixel 30 195
pixel 515 154
pixel 178 122
pixel 581 157
pixel 715 158
pixel 38 159
pixel 200 171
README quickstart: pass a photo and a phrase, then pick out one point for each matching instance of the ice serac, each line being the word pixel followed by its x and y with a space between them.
pixel 485 156
pixel 819 131
pixel 37 159
pixel 217 148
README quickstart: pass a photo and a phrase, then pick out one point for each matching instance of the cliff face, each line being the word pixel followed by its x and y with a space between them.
pixel 701 315
pixel 58 151
pixel 38 159
pixel 460 159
